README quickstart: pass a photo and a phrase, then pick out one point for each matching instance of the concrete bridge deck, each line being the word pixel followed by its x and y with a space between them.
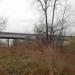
pixel 5 35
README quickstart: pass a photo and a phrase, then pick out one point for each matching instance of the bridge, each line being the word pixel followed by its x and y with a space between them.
pixel 24 36
pixel 6 35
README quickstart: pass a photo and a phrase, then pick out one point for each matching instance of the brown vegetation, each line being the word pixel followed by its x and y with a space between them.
pixel 35 59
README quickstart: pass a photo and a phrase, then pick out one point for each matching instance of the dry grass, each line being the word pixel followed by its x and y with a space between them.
pixel 35 59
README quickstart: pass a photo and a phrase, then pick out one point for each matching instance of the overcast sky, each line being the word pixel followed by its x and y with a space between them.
pixel 21 14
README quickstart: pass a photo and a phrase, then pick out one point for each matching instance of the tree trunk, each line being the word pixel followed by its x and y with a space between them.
pixel 51 34
pixel 46 20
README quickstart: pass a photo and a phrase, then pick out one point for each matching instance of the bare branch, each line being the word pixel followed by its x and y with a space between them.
pixel 49 6
pixel 41 4
pixel 3 23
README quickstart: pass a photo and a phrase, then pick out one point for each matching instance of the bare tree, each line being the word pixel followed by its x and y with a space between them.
pixel 45 4
pixel 60 25
pixel 51 31
pixel 40 28
pixel 55 4
pixel 52 27
pixel 64 24
pixel 3 23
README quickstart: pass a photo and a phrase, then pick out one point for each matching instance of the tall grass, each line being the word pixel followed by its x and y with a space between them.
pixel 34 59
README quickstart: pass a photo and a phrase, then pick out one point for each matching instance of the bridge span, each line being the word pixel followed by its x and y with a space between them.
pixel 23 36
pixel 7 35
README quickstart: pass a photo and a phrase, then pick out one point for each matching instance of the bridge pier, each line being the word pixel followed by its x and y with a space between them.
pixel 8 42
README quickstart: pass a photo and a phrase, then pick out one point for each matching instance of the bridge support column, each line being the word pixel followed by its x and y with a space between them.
pixel 8 42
